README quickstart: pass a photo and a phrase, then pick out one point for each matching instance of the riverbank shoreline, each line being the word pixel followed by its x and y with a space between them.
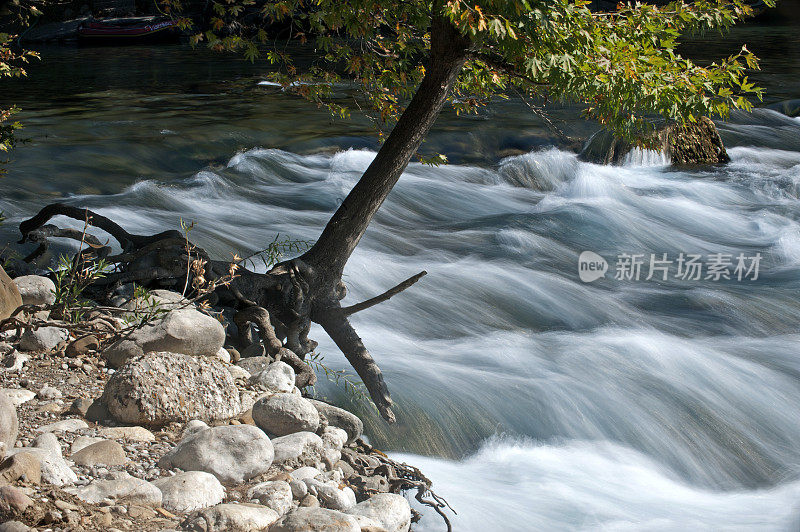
pixel 211 447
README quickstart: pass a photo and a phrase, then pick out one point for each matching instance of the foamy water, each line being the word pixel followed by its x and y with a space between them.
pixel 541 402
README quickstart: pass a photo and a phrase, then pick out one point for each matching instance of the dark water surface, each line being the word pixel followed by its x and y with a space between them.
pixel 541 402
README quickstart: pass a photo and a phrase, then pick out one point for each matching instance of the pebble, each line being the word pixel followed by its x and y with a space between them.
pixel 48 392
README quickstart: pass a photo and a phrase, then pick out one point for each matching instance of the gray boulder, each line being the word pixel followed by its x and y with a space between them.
pixel 82 442
pixel 186 331
pixel 232 453
pixel 254 365
pixel 392 511
pixel 159 388
pixel 316 519
pixel 276 378
pixel 285 413
pixel 231 518
pixel 36 290
pixel 190 491
pixel 106 452
pixel 42 339
pixel 276 494
pixel 9 425
pixel 299 449
pixel 120 487
pixel 330 495
pixel 341 418
pixel 47 441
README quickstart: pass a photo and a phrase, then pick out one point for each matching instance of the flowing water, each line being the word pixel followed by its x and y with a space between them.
pixel 535 401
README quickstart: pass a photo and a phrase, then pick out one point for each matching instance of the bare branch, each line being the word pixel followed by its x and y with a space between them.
pixel 358 307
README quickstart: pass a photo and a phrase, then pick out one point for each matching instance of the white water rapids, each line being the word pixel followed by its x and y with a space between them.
pixel 559 405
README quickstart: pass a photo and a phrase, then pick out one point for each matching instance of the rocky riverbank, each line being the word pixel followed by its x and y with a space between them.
pixel 164 429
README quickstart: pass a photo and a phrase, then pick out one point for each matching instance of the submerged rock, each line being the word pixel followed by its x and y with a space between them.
pixel 697 143
pixel 159 388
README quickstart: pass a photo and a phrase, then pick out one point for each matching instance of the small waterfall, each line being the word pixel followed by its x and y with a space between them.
pixel 644 157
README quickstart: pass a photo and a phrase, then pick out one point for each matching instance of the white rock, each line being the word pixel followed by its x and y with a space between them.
pixel 298 449
pixel 55 469
pixel 305 472
pixel 189 491
pixel 334 437
pixel 365 522
pixel 299 488
pixel 13 361
pixel 392 511
pixel 9 424
pixel 36 290
pixel 18 396
pixel 223 355
pixel 276 378
pixel 42 339
pixel 81 442
pixel 285 413
pixel 186 331
pixel 48 393
pixel 121 488
pixel 66 425
pixel 159 388
pixel 329 494
pixel 338 417
pixel 193 426
pixel 47 441
pixel 238 372
pixel 233 453
pixel 232 518
pixel 254 365
pixel 127 433
pixel 313 519
pixel 275 494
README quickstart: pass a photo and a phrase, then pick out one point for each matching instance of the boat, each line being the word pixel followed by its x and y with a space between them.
pixel 127 31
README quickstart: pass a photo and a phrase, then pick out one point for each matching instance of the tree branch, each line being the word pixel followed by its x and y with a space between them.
pixel 342 333
pixel 358 307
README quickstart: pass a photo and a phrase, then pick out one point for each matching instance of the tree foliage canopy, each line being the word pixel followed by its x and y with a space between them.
pixel 12 65
pixel 622 66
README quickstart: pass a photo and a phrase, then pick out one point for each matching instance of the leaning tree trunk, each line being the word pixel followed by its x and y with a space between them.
pixel 284 301
pixel 327 258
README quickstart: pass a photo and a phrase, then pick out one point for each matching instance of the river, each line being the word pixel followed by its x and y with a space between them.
pixel 534 401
